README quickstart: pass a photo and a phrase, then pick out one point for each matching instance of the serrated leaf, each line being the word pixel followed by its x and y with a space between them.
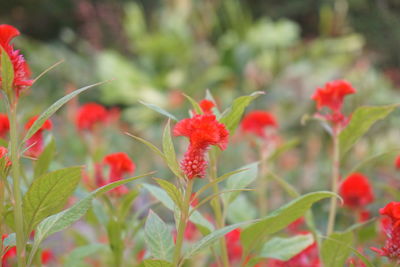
pixel 53 108
pixel 76 257
pixel 172 192
pixel 163 197
pixel 361 120
pixel 48 194
pixel 7 72
pixel 232 118
pixel 159 110
pixel 156 263
pixel 241 180
pixel 209 239
pixel 336 249
pixel 169 151
pixel 158 237
pixel 44 160
pixel 286 248
pixel 254 235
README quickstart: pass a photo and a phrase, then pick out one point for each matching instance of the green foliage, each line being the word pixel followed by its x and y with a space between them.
pixel 45 159
pixel 78 255
pixel 336 249
pixel 241 180
pixel 159 110
pixel 7 73
pixel 156 263
pixel 172 191
pixel 169 151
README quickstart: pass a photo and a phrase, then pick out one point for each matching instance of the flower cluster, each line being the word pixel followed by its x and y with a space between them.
pixel 91 115
pixel 203 130
pixel 356 191
pixel 35 144
pixel 21 68
pixel 4 125
pixel 257 122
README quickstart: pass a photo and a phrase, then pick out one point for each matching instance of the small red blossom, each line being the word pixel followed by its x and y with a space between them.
pixel 89 115
pixel 356 191
pixel 4 125
pixel 332 95
pixel 119 164
pixel 203 131
pixel 234 246
pixel 47 256
pixel 21 68
pixel 3 154
pixel 391 248
pixel 397 162
pixel 256 122
pixel 36 142
pixel 206 106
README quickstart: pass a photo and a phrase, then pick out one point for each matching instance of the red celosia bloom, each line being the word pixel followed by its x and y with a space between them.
pixel 90 115
pixel 119 164
pixel 234 247
pixel 332 95
pixel 206 106
pixel 11 253
pixel 47 256
pixel 202 131
pixel 21 69
pixel 257 121
pixel 356 191
pixel 4 125
pixel 391 249
pixel 36 142
pixel 397 162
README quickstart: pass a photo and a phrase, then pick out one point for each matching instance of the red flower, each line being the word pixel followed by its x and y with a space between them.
pixel 90 115
pixel 47 256
pixel 3 153
pixel 36 142
pixel 119 164
pixel 391 249
pixel 10 253
pixel 202 131
pixel 206 106
pixel 21 69
pixel 397 162
pixel 234 247
pixel 4 125
pixel 356 191
pixel 257 121
pixel 332 95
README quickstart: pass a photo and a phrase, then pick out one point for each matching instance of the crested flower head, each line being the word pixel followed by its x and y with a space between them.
pixel 234 246
pixel 21 68
pixel 120 164
pixel 257 121
pixel 206 106
pixel 4 125
pixel 356 191
pixel 36 142
pixel 332 95
pixel 89 115
pixel 203 131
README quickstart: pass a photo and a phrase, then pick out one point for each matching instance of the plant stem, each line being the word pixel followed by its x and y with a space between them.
pixel 16 185
pixel 182 222
pixel 335 184
pixel 263 185
pixel 219 218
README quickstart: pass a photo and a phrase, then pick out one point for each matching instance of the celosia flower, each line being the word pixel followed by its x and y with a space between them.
pixel 36 142
pixel 89 115
pixel 10 253
pixel 206 106
pixel 203 131
pixel 21 69
pixel 119 164
pixel 234 246
pixel 4 125
pixel 47 256
pixel 3 154
pixel 391 248
pixel 356 191
pixel 256 122
pixel 397 162
pixel 332 95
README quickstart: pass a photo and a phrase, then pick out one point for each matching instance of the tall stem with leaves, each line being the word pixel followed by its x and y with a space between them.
pixel 335 182
pixel 18 216
pixel 184 217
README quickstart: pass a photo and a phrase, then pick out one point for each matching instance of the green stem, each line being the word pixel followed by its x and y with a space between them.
pixel 335 184
pixel 16 186
pixel 182 223
pixel 219 218
pixel 263 185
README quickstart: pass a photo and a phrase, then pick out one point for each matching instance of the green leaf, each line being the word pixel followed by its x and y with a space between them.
pixel 286 248
pixel 163 197
pixel 215 109
pixel 255 234
pixel 7 72
pixel 241 180
pixel 48 194
pixel 195 105
pixel 336 249
pixel 172 192
pixel 156 263
pixel 65 218
pixel 371 159
pixel 79 254
pixel 232 118
pixel 169 151
pixel 148 144
pixel 44 160
pixel 361 120
pixel 115 241
pixel 53 108
pixel 158 237
pixel 209 239
pixel 159 110
pixel 241 209
pixel 126 203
